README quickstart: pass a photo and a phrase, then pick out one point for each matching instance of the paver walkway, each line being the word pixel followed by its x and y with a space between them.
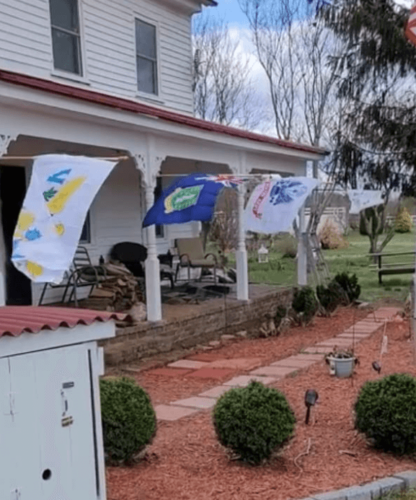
pixel 265 374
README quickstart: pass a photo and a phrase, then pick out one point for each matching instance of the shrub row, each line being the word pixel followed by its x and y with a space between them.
pixel 256 421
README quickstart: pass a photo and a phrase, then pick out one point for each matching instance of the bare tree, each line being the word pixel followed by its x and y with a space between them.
pixel 222 83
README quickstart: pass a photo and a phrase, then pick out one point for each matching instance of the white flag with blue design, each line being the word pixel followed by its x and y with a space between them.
pixel 60 193
pixel 274 204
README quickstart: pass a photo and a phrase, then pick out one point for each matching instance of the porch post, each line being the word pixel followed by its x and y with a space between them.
pixel 148 164
pixel 241 253
pixel 5 140
pixel 302 251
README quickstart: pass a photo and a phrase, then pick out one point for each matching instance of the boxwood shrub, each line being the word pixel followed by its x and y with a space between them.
pixel 128 417
pixel 253 421
pixel 386 413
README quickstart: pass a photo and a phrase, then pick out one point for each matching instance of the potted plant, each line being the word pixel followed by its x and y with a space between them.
pixel 341 362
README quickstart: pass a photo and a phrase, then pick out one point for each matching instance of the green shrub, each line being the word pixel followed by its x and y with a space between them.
pixel 129 421
pixel 386 413
pixel 331 296
pixel 253 421
pixel 331 238
pixel 288 247
pixel 305 304
pixel 350 285
pixel 404 221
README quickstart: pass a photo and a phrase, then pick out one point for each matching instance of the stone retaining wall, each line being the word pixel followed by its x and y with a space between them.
pixel 208 322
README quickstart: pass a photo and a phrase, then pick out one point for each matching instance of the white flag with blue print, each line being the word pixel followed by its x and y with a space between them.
pixel 49 227
pixel 274 204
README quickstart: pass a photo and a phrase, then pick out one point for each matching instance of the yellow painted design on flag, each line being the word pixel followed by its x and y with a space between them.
pixel 34 269
pixel 60 229
pixel 26 219
pixel 59 201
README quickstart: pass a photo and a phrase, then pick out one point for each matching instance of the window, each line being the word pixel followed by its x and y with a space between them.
pixel 146 55
pixel 66 39
pixel 160 230
pixel 86 231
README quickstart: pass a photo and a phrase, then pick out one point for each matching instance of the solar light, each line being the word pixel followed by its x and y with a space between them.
pixel 376 366
pixel 311 397
pixel 263 254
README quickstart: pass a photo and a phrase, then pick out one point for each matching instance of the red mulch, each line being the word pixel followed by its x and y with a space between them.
pixel 165 389
pixel 186 462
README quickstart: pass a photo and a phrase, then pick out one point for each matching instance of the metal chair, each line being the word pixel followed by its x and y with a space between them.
pixel 82 274
pixel 192 256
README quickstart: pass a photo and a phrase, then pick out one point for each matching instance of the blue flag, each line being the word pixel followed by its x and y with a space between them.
pixel 191 198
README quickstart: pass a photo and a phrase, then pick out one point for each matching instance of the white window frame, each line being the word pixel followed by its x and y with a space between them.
pixel 83 78
pixel 140 93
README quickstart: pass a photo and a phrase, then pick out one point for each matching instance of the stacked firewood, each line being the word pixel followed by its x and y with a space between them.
pixel 118 291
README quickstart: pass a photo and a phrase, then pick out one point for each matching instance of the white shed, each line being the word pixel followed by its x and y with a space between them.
pixel 51 445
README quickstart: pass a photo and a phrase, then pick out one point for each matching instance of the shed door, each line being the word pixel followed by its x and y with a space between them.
pixel 53 425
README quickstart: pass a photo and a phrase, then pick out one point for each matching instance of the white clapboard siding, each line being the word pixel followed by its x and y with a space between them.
pixel 108 43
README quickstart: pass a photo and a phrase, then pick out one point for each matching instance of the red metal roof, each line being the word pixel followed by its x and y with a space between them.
pixel 15 320
pixel 145 109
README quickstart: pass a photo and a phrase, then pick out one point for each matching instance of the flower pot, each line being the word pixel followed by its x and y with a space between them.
pixel 341 367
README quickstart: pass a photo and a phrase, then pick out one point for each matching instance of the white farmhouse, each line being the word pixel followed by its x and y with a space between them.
pixel 109 78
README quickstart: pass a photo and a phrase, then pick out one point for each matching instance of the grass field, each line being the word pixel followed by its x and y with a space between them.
pixel 354 259
pixel 409 495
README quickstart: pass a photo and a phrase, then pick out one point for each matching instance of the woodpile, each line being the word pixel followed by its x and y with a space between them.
pixel 119 291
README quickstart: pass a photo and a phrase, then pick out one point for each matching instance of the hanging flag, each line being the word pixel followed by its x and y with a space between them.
pixel 50 223
pixel 274 204
pixel 364 198
pixel 191 198
pixel 410 31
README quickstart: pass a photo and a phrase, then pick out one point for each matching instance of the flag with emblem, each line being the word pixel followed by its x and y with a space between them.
pixel 191 198
pixel 411 25
pixel 274 205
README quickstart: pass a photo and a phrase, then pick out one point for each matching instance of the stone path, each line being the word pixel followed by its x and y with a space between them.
pixel 265 374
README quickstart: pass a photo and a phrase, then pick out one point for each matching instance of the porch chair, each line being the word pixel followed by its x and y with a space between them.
pixel 191 255
pixel 82 274
pixel 134 255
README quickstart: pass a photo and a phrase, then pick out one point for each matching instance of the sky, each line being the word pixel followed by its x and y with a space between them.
pixel 229 11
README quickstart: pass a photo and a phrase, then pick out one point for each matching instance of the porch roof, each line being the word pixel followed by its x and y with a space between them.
pixel 140 108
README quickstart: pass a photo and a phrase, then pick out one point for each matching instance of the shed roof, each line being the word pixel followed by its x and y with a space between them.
pixel 15 320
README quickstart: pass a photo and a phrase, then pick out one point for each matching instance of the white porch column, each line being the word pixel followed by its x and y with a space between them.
pixel 241 252
pixel 149 165
pixel 5 140
pixel 302 251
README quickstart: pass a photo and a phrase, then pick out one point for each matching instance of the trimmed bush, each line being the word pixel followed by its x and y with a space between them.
pixel 253 421
pixel 331 296
pixel 349 283
pixel 129 421
pixel 331 238
pixel 386 413
pixel 404 223
pixel 305 304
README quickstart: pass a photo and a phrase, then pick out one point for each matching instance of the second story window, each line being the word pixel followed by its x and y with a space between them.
pixel 66 39
pixel 146 55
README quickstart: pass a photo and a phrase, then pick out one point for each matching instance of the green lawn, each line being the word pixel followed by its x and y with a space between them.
pixel 282 271
pixel 409 495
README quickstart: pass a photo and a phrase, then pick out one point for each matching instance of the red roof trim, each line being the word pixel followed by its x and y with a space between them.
pixel 16 320
pixel 145 109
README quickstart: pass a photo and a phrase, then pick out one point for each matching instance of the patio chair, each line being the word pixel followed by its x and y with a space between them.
pixel 192 256
pixel 134 255
pixel 82 274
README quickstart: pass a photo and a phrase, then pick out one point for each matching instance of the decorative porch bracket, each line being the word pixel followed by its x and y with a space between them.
pixel 5 141
pixel 148 163
pixel 241 252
